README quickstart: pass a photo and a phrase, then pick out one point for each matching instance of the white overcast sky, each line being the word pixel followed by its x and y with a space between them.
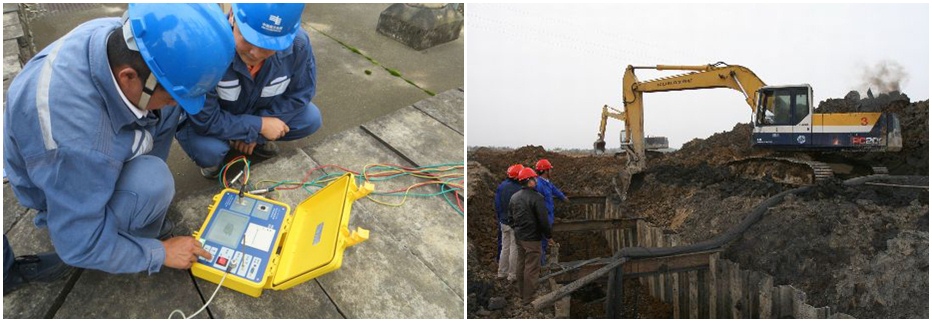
pixel 539 74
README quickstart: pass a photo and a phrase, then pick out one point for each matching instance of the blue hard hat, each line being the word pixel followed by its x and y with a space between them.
pixel 188 47
pixel 268 25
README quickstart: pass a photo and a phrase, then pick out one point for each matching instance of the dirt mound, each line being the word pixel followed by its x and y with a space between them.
pixel 578 175
pixel 853 103
pixel 716 149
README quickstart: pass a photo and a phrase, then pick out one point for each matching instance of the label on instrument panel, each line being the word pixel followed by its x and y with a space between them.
pixel 259 237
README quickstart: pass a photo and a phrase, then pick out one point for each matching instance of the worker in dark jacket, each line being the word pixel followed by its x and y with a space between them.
pixel 529 221
pixel 508 250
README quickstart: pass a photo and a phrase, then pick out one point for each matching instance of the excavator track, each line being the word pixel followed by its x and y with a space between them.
pixel 800 172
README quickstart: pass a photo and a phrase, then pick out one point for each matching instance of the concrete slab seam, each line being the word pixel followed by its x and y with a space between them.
pixel 322 288
pixel 17 219
pixel 390 70
pixel 438 120
pixel 60 299
pixel 200 294
pixel 389 146
pixel 433 270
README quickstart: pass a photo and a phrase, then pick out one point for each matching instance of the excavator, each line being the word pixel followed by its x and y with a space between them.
pixel 784 118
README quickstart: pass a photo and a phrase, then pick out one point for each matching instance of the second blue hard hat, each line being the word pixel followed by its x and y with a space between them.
pixel 268 25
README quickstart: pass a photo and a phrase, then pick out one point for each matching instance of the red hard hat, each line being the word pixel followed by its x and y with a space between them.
pixel 514 169
pixel 526 173
pixel 543 164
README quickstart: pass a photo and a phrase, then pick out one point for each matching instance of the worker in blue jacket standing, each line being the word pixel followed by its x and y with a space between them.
pixel 89 124
pixel 549 191
pixel 508 251
pixel 264 96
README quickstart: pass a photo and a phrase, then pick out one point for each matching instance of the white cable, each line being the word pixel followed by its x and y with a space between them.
pixel 232 266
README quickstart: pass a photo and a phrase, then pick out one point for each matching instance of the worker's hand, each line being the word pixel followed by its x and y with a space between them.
pixel 273 128
pixel 245 148
pixel 182 251
pixel 550 242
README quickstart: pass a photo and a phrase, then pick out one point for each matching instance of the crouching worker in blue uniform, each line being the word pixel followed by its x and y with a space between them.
pixel 264 96
pixel 89 123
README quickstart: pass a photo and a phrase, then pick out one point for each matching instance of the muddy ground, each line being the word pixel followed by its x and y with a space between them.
pixel 862 250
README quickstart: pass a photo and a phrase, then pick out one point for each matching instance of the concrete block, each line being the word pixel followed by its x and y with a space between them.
pixel 418 137
pixel 420 26
pixel 12 31
pixel 10 19
pixel 447 107
pixel 10 7
pixel 34 301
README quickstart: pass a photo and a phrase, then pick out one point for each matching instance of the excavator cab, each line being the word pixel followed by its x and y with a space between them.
pixel 784 106
pixel 785 119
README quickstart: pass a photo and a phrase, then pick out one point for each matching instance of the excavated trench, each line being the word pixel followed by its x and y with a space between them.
pixel 859 250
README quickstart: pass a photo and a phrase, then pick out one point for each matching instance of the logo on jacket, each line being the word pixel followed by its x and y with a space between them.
pixel 142 143
pixel 277 27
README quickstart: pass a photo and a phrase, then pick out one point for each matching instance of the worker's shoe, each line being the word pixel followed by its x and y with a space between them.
pixel 41 268
pixel 211 172
pixel 168 226
pixel 267 151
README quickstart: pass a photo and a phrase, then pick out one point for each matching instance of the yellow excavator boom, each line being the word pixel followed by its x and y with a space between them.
pixel 719 75
pixel 607 112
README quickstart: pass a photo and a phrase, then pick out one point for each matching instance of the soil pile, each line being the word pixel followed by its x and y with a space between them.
pixel 583 175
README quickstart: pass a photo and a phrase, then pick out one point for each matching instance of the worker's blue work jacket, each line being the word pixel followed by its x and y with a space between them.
pixel 284 86
pixel 549 191
pixel 502 197
pixel 67 135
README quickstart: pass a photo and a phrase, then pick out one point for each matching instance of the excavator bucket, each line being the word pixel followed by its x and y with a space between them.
pixel 599 145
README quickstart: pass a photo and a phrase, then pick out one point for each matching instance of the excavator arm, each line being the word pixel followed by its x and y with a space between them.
pixel 717 75
pixel 607 112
